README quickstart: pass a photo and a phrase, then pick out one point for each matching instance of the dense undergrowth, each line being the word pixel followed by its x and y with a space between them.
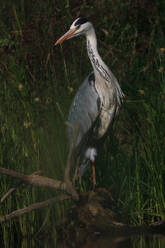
pixel 38 82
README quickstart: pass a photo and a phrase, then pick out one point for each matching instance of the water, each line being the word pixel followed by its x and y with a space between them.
pixel 97 241
pixel 140 241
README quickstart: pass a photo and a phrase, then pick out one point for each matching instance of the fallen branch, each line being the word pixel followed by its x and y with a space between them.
pixel 34 206
pixel 34 179
pixel 42 181
pixel 15 187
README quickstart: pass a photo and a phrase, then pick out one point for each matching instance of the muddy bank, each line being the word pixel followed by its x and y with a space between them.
pixel 96 214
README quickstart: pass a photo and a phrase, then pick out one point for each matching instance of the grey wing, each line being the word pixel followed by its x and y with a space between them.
pixel 84 110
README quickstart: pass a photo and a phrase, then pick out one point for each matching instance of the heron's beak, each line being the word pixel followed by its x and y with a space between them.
pixel 66 36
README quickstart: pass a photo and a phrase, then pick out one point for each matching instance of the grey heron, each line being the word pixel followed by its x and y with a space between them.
pixel 95 104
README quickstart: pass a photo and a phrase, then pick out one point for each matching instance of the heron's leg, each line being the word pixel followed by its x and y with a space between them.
pixel 93 174
pixel 76 171
pixel 75 175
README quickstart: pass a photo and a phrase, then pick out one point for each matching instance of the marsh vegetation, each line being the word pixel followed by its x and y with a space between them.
pixel 38 83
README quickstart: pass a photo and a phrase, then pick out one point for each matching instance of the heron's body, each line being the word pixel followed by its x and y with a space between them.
pixel 96 103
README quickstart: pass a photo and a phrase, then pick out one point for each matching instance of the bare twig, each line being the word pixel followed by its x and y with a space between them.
pixel 34 206
pixel 10 191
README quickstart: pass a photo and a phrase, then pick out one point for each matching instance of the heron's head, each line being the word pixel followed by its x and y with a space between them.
pixel 79 26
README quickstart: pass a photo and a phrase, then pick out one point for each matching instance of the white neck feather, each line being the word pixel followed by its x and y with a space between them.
pixel 100 68
pixel 97 63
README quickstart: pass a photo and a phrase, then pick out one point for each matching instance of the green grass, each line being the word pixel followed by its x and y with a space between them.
pixel 38 83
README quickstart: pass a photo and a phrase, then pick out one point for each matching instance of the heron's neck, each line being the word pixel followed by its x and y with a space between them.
pixel 96 61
